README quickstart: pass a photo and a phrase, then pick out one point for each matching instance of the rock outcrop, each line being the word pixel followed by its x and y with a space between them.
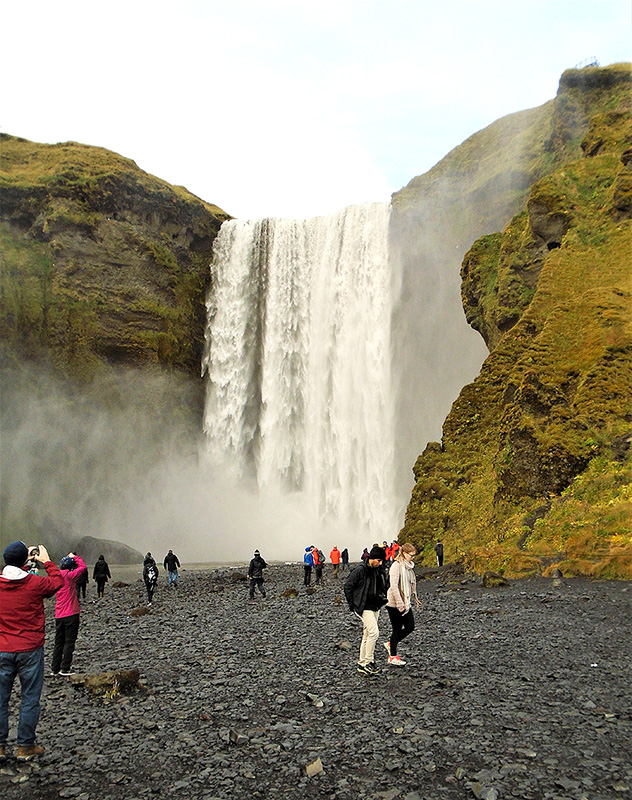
pixel 552 297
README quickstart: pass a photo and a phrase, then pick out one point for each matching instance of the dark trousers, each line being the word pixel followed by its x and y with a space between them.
pixel 100 587
pixel 81 590
pixel 66 630
pixel 151 585
pixel 256 582
pixel 308 574
pixel 403 625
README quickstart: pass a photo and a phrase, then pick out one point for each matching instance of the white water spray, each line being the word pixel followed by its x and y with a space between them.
pixel 300 401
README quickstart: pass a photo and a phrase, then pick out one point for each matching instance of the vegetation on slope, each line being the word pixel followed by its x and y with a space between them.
pixel 534 466
pixel 101 263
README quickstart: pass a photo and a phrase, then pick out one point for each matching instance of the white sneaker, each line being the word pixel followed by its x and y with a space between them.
pixel 387 645
pixel 396 661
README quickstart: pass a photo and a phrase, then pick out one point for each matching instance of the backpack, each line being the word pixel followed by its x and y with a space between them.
pixel 321 557
pixel 152 573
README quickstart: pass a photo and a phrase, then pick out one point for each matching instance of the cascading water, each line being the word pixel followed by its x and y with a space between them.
pixel 300 401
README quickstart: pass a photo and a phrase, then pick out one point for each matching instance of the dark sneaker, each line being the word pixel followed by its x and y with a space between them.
pixel 68 673
pixel 29 752
pixel 373 669
pixel 363 669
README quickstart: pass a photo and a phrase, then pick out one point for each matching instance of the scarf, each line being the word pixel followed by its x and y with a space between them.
pixel 405 581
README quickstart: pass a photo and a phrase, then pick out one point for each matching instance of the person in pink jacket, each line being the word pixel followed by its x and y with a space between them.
pixel 67 610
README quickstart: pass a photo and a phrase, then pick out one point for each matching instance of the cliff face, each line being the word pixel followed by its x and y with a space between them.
pixel 104 271
pixel 102 263
pixel 534 465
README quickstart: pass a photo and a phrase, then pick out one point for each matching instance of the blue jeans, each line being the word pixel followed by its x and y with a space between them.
pixel 173 577
pixel 30 668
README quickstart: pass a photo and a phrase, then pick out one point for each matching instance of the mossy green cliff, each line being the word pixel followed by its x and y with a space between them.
pixel 534 466
pixel 101 263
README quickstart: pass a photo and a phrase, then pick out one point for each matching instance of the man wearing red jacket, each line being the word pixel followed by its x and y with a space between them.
pixel 22 624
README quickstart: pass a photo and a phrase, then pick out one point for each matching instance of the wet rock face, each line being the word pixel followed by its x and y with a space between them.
pixel 518 691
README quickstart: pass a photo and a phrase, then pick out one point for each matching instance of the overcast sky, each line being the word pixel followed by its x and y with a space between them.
pixel 289 107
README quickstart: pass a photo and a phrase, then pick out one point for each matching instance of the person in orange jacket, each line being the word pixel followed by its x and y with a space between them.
pixel 334 557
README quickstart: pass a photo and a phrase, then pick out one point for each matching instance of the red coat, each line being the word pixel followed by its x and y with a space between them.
pixel 22 617
pixel 335 556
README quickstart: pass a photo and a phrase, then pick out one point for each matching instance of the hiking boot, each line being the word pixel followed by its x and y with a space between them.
pixel 28 752
pixel 373 668
pixel 363 669
pixel 396 661
pixel 387 645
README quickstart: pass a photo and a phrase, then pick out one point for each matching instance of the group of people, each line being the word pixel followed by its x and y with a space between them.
pixel 369 587
pixel 171 564
pixel 314 560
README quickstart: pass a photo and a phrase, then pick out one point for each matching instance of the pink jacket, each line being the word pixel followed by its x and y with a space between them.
pixel 66 601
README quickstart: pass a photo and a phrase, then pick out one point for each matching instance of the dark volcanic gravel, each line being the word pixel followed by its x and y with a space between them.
pixel 523 691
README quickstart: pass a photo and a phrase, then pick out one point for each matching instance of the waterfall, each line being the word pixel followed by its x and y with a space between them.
pixel 299 400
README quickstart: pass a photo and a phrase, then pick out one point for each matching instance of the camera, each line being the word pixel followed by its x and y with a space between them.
pixel 34 551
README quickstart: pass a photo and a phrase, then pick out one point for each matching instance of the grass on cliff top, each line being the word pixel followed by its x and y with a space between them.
pixel 27 165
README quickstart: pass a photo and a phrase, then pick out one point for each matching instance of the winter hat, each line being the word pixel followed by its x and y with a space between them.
pixel 16 554
pixel 257 552
pixel 378 552
pixel 67 563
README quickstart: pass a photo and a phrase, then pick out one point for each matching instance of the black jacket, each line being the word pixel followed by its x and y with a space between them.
pixel 257 565
pixel 171 562
pixel 101 571
pixel 366 587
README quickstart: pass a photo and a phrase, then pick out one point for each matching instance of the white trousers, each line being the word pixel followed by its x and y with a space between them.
pixel 370 633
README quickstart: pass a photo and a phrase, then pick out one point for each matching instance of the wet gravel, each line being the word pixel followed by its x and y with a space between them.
pixel 516 692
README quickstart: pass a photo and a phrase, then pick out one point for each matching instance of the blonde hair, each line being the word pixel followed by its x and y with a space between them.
pixel 408 547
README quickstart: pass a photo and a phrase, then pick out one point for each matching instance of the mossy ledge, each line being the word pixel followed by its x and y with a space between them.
pixel 102 263
pixel 534 469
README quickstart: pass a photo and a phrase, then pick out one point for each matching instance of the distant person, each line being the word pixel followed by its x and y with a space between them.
pixel 365 554
pixel 150 576
pixel 345 559
pixel 438 548
pixel 255 573
pixel 394 550
pixel 319 563
pixel 22 624
pixel 308 563
pixel 402 590
pixel 171 564
pixel 67 613
pixel 365 591
pixel 101 574
pixel 334 557
pixel 82 585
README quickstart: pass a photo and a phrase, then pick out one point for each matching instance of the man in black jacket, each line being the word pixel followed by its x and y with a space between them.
pixel 171 564
pixel 255 573
pixel 365 591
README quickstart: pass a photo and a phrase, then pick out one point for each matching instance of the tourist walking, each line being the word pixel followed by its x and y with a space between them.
pixel 334 557
pixel 308 563
pixel 171 564
pixel 345 559
pixel 438 548
pixel 401 591
pixel 365 591
pixel 101 574
pixel 365 554
pixel 67 613
pixel 22 623
pixel 255 573
pixel 150 576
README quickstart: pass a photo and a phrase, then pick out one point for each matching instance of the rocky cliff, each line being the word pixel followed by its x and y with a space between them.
pixel 104 271
pixel 533 468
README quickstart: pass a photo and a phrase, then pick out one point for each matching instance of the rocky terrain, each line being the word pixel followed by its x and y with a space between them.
pixel 521 691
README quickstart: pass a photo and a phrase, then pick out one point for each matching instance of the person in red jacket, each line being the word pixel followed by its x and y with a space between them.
pixel 335 560
pixel 22 623
pixel 67 610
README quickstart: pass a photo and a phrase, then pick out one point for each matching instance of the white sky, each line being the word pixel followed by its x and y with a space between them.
pixel 289 107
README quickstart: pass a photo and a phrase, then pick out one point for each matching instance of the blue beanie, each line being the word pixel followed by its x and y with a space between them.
pixel 67 563
pixel 16 554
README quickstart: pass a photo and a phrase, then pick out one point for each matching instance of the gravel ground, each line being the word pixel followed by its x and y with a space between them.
pixel 523 691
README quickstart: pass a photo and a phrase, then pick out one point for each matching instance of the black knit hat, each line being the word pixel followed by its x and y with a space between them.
pixel 378 552
pixel 16 554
